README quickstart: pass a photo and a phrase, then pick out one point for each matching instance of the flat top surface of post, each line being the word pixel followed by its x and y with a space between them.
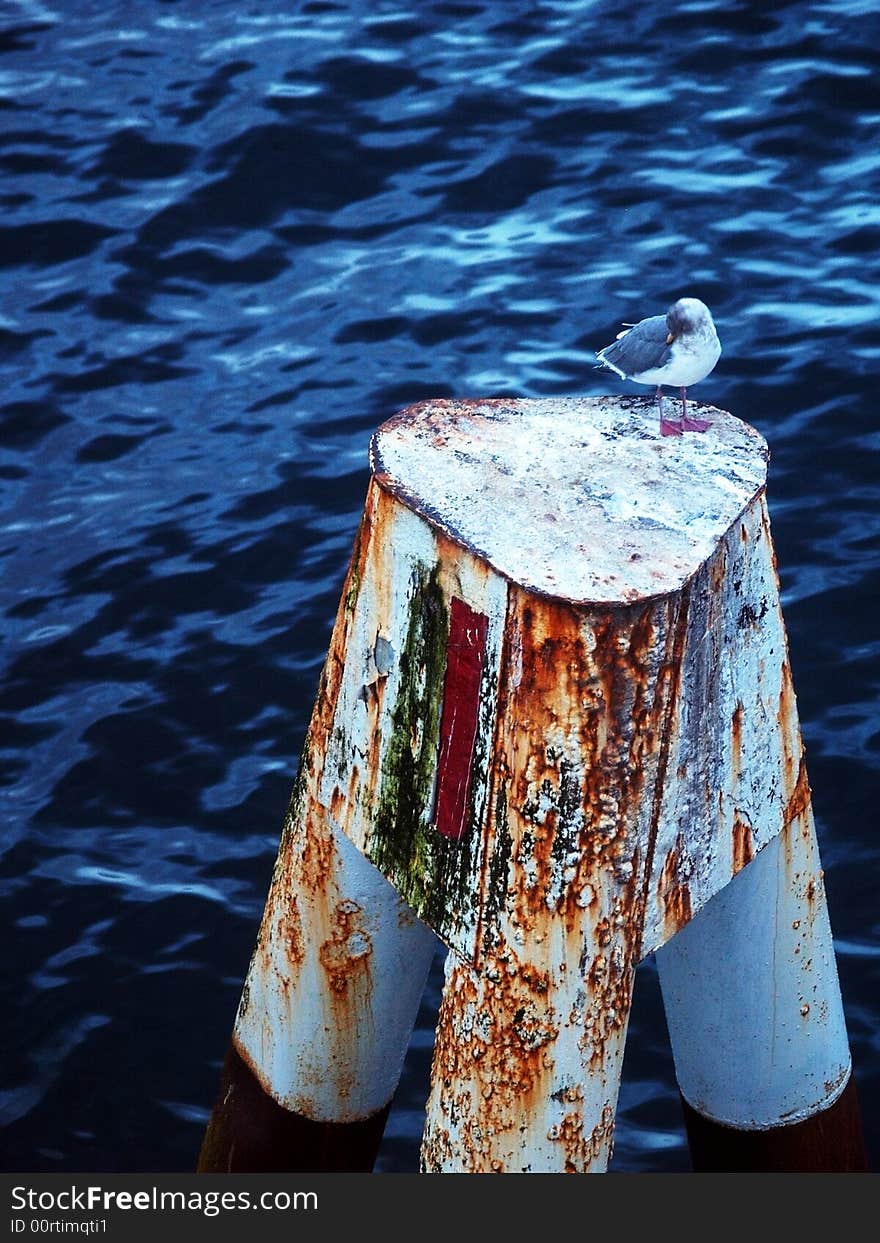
pixel 579 498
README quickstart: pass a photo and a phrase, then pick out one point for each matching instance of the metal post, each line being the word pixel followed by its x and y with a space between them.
pixel 334 985
pixel 325 1018
pixel 557 716
pixel 326 1015
pixel 756 1019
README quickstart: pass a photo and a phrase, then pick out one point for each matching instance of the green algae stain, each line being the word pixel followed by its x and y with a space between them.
pixel 434 874
pixel 398 844
pixel 354 583
pixel 498 871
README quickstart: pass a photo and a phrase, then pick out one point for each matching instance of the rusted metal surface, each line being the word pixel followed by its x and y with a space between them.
pixel 579 499
pixel 677 687
pixel 380 737
pixel 530 1037
pixel 735 769
pixel 527 1063
pixel 336 978
pixel 557 715
pixel 752 995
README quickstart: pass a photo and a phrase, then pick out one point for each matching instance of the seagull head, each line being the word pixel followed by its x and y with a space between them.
pixel 686 315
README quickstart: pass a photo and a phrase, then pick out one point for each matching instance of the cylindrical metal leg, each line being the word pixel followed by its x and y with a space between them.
pixel 326 1013
pixel 756 1020
pixel 527 1061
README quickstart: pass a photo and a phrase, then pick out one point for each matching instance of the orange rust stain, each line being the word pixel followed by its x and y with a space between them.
pixel 799 799
pixel 608 983
pixel 743 843
pixel 788 725
pixel 812 894
pixel 371 545
pixel 621 679
pixel 331 676
pixel 676 628
pixel 717 567
pixel 578 718
pixel 346 952
pixel 344 803
pixel 450 556
pixel 349 801
pixel 673 890
pixel 379 562
pixel 581 1149
pixel 317 854
pixel 534 751
pixel 504 1031
pixel 291 932
pixel 765 533
pixel 796 786
pixel 337 803
pixel 493 1053
pixel 302 884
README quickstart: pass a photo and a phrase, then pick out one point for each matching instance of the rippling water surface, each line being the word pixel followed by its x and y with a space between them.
pixel 235 237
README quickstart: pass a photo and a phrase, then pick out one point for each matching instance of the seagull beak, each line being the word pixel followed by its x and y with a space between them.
pixel 670 337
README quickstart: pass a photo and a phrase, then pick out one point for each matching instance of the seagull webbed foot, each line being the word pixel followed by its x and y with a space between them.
pixel 668 428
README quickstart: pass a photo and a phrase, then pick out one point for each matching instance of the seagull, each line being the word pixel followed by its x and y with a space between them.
pixel 680 348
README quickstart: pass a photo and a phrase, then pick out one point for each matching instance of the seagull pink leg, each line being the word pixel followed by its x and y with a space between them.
pixel 691 425
pixel 667 428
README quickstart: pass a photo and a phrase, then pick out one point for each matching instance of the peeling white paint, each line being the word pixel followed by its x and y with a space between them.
pixel 578 498
pixel 637 747
pixel 330 1000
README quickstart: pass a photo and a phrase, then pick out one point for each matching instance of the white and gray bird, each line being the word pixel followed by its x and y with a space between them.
pixel 678 348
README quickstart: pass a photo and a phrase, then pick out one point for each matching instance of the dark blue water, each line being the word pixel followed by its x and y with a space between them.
pixel 234 238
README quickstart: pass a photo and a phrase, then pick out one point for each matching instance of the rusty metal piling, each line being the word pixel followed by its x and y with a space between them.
pixel 555 724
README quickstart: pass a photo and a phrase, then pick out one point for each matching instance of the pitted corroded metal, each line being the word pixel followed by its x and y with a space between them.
pixel 576 498
pixel 336 978
pixel 636 747
pixel 639 730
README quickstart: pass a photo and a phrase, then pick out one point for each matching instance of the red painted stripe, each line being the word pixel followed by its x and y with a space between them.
pixel 465 656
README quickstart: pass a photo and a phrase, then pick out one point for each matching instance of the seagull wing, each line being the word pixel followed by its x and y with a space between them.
pixel 640 348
